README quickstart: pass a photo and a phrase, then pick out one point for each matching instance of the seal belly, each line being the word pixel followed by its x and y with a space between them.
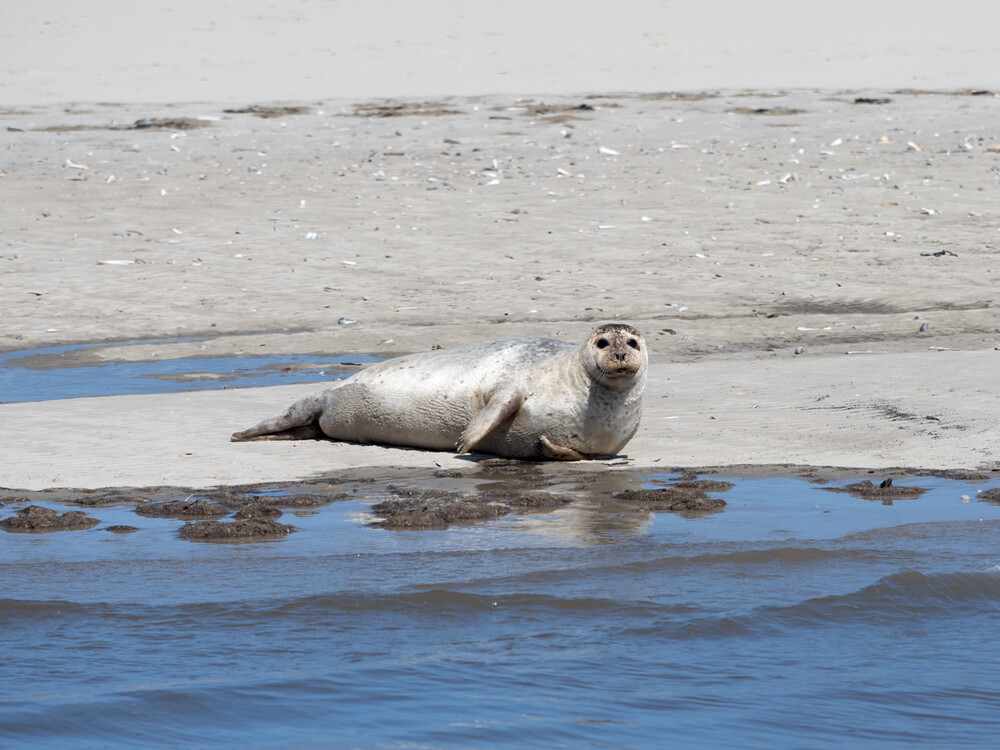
pixel 518 437
pixel 595 426
pixel 406 404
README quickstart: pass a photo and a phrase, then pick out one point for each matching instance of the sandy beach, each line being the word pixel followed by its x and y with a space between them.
pixel 211 210
pixel 814 264
pixel 734 229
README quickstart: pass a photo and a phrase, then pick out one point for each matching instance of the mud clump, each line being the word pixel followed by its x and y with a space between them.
pixel 197 508
pixel 121 529
pixel 688 495
pixel 527 500
pixel 38 520
pixel 236 500
pixel 438 509
pixel 685 500
pixel 990 496
pixel 705 485
pixel 218 503
pixel 303 501
pixel 868 490
pixel 434 509
pixel 258 511
pixel 963 475
pixel 505 467
pixel 245 528
pixel 104 498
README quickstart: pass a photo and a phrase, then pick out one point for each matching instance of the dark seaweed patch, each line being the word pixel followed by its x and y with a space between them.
pixel 770 111
pixel 407 109
pixel 269 112
pixel 143 123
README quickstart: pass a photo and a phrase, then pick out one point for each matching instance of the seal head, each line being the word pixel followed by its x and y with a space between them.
pixel 615 356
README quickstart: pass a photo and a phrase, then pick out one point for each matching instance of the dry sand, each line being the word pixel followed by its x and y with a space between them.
pixel 57 51
pixel 732 228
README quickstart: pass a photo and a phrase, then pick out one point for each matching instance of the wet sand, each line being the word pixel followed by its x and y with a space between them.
pixel 735 229
pixel 408 498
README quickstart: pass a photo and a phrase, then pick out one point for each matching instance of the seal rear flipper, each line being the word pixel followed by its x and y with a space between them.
pixel 298 422
pixel 500 407
pixel 305 432
pixel 559 452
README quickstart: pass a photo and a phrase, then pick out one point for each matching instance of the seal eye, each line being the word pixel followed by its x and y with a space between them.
pixel 633 343
pixel 602 344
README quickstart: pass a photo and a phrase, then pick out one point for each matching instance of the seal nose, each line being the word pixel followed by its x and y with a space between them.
pixel 620 356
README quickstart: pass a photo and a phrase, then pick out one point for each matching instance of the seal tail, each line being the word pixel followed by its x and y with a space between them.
pixel 300 421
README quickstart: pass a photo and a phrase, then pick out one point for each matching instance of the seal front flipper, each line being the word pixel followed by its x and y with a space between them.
pixel 297 422
pixel 550 450
pixel 501 406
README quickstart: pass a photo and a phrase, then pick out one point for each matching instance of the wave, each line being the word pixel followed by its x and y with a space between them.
pixel 26 609
pixel 790 556
pixel 910 592
pixel 444 599
pixel 776 555
pixel 902 596
pixel 432 603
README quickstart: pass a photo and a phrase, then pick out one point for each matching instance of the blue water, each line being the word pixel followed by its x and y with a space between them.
pixel 21 381
pixel 794 618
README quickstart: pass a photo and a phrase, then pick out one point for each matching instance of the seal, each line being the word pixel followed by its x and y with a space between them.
pixel 516 398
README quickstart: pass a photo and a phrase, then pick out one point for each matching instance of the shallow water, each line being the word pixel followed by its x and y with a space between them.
pixel 41 374
pixel 794 618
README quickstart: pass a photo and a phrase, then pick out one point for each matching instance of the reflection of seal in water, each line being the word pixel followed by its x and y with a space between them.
pixel 519 398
